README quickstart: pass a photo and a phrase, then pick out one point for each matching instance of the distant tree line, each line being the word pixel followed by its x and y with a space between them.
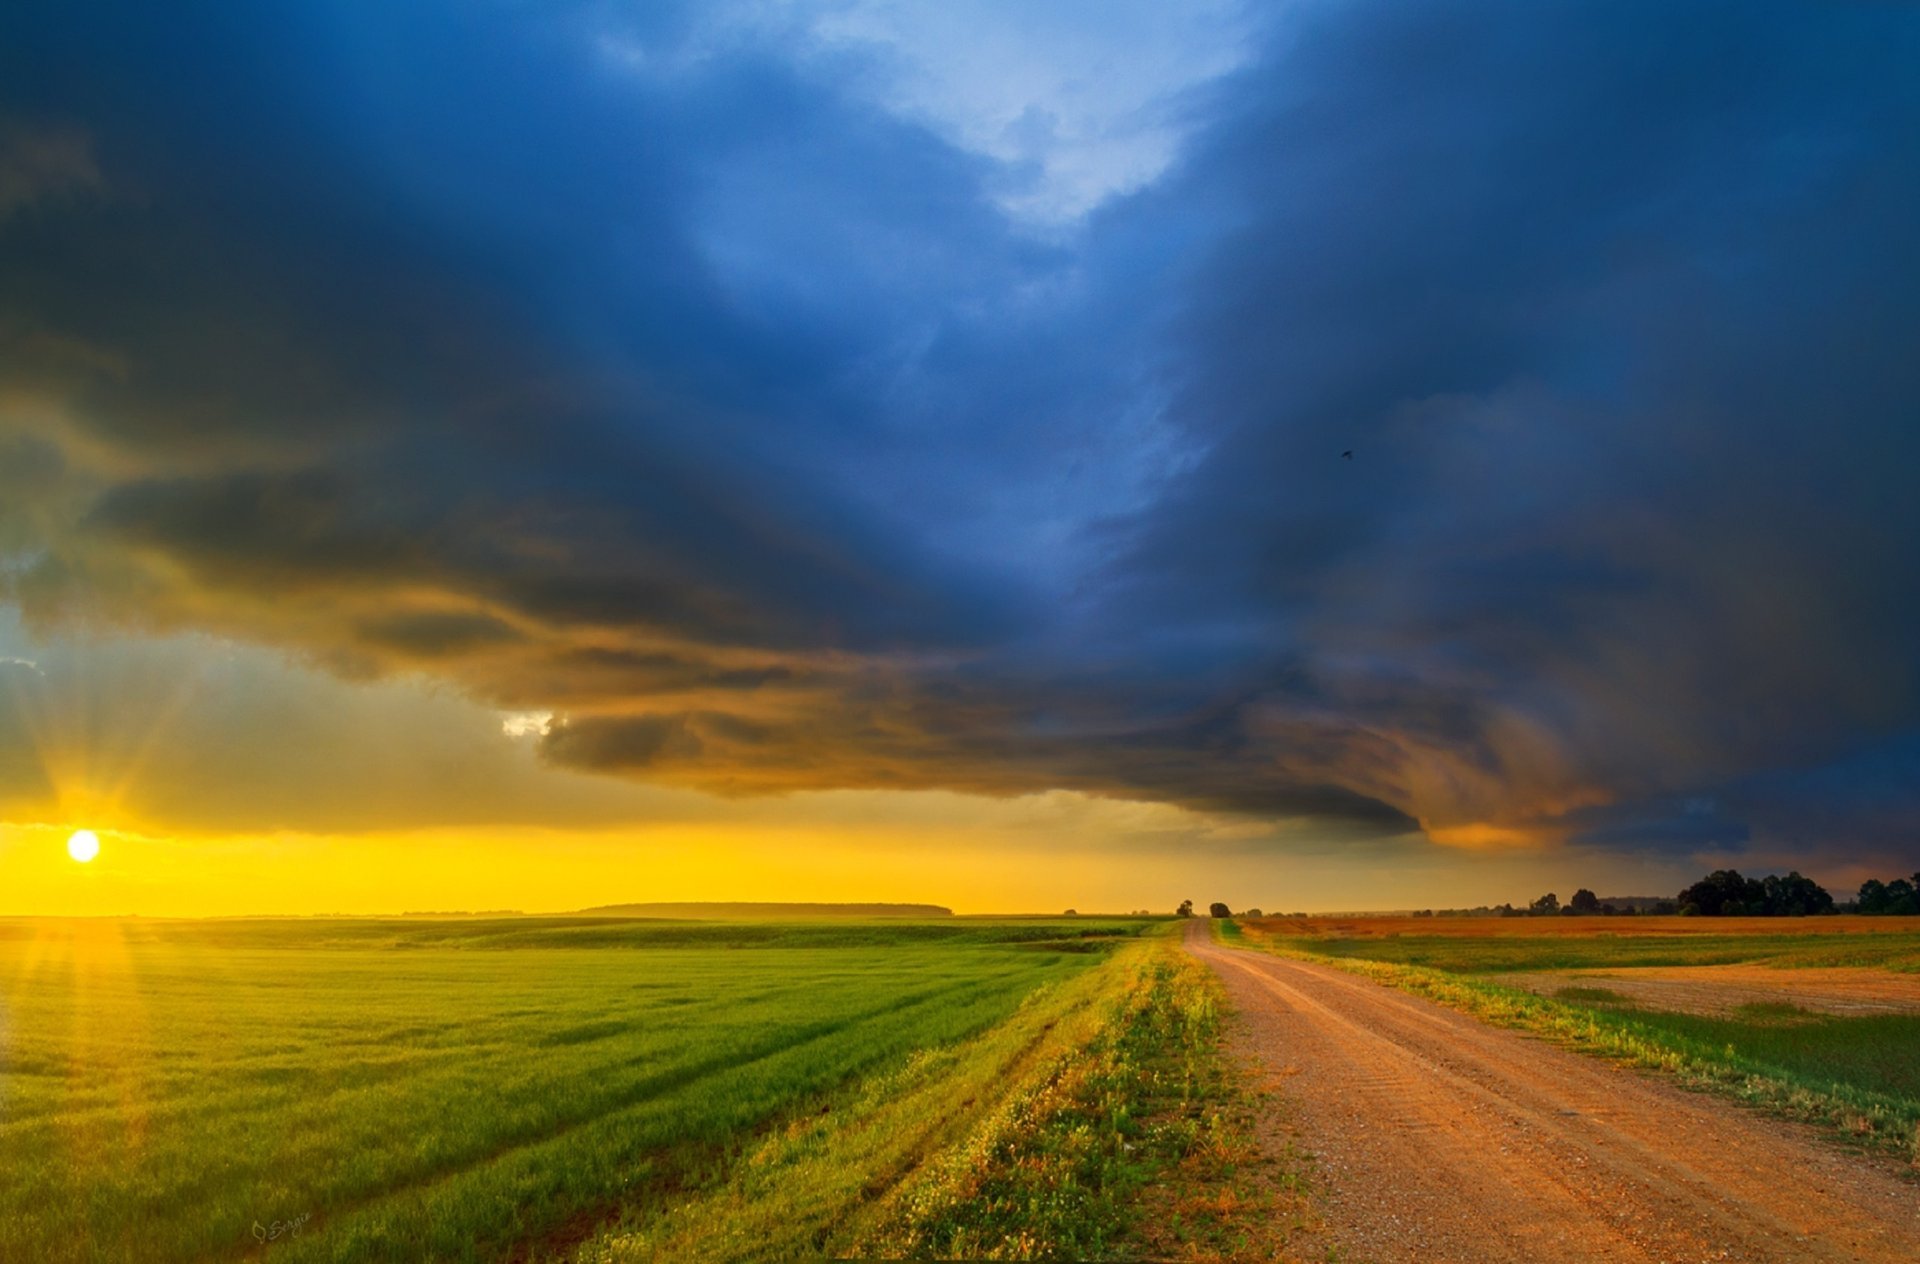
pixel 1900 898
pixel 1217 909
pixel 1548 905
pixel 1724 893
pixel 1583 904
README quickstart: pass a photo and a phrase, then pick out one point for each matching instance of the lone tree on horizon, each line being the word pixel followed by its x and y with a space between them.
pixel 1185 909
pixel 1217 909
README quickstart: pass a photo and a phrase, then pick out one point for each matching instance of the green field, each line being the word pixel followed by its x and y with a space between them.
pixel 1600 949
pixel 1871 1054
pixel 538 1088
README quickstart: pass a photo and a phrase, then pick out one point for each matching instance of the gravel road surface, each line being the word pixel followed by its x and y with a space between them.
pixel 1439 1138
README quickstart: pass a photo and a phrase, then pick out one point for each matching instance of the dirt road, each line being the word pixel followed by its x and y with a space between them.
pixel 1439 1138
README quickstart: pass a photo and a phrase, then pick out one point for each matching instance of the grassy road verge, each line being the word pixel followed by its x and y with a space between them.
pixel 1098 1122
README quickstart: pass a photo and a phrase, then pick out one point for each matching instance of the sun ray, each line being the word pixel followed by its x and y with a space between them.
pixel 93 734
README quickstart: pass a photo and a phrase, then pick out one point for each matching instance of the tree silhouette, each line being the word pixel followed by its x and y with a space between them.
pixel 1217 909
pixel 1185 909
pixel 1901 897
pixel 1724 893
pixel 1795 896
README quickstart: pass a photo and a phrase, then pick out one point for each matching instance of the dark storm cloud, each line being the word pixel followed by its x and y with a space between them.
pixel 686 394
pixel 1695 823
pixel 1615 311
pixel 352 383
pixel 436 634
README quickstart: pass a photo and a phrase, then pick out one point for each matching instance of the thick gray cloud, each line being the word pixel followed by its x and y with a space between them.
pixel 596 364
pixel 1618 329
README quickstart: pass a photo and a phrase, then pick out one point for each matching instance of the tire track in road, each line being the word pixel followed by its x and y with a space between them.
pixel 1440 1138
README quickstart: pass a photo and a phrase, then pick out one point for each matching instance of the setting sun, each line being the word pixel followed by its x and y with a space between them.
pixel 83 845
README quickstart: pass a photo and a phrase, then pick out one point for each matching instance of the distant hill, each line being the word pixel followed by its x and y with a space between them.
pixel 701 911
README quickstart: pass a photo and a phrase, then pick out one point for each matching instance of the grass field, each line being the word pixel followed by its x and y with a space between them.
pixel 544 1088
pixel 1858 1073
pixel 1486 945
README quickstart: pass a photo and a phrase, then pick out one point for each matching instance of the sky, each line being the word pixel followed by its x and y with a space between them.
pixel 1321 455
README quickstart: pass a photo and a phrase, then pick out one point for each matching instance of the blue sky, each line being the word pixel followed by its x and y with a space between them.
pixel 783 399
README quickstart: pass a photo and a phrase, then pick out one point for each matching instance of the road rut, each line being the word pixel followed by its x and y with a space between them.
pixel 1439 1138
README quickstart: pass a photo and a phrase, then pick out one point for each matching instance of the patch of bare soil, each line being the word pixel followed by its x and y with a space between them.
pixel 1723 989
pixel 1439 1138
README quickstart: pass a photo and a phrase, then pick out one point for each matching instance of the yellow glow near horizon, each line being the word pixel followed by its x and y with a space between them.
pixel 986 865
pixel 83 845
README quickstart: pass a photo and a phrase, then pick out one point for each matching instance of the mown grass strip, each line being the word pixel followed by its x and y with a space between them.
pixel 1856 1076
pixel 1098 1122
pixel 1052 1169
pixel 797 1189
